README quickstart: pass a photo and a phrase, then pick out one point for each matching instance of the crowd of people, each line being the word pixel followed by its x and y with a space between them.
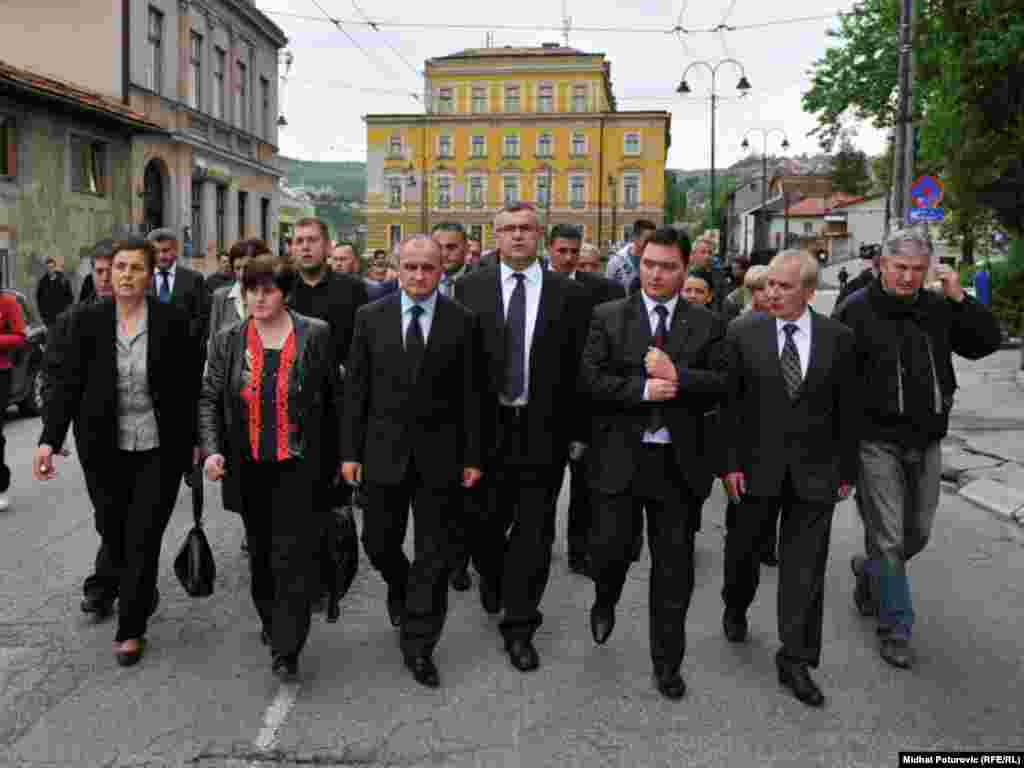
pixel 461 385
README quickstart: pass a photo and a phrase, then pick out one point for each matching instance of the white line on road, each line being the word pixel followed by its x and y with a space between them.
pixel 274 718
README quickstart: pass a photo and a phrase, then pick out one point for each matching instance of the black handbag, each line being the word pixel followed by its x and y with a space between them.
pixel 194 564
pixel 342 544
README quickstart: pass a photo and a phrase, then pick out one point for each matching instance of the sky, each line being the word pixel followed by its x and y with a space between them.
pixel 339 75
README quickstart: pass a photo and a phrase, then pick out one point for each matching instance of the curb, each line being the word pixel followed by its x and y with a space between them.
pixel 1004 501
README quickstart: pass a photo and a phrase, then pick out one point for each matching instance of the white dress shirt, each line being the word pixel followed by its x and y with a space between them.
pixel 158 279
pixel 235 295
pixel 662 436
pixel 533 284
pixel 426 319
pixel 801 337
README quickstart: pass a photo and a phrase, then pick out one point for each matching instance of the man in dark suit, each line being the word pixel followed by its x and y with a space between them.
pixel 788 423
pixel 412 428
pixel 564 243
pixel 532 327
pixel 648 368
pixel 183 287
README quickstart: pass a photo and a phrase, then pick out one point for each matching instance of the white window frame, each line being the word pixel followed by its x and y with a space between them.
pixel 473 145
pixel 634 180
pixel 519 98
pixel 267 119
pixel 195 64
pixel 444 202
pixel 220 56
pixel 155 43
pixel 551 144
pixel 574 183
pixel 446 100
pixel 575 135
pixel 506 185
pixel 242 94
pixel 505 146
pixel 639 144
pixel 444 153
pixel 473 100
pixel 392 155
pixel 396 183
pixel 550 88
pixel 477 181
pixel 577 88
pixel 543 186
pixel 99 183
pixel 392 240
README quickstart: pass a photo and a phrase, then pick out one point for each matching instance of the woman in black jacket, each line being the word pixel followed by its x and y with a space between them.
pixel 126 381
pixel 262 415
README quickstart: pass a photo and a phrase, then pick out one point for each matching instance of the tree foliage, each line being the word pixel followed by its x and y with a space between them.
pixel 850 169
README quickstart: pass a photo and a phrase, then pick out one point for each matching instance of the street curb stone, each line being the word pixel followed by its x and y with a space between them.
pixel 1000 499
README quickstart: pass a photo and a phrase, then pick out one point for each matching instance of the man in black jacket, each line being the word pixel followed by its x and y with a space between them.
pixel 788 423
pixel 532 325
pixel 564 243
pixel 648 369
pixel 905 338
pixel 53 294
pixel 183 287
pixel 412 426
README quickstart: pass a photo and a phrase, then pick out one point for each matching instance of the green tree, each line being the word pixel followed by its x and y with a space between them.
pixel 850 169
pixel 675 199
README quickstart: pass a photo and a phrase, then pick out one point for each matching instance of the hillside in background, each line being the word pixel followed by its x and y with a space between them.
pixel 346 180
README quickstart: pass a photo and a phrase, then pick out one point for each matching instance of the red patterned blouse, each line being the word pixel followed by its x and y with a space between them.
pixel 259 397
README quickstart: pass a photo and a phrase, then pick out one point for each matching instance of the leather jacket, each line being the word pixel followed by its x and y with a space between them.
pixel 315 396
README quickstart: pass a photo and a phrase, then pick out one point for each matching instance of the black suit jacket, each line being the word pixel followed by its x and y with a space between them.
pixel 600 288
pixel 614 375
pixel 191 294
pixel 335 301
pixel 84 383
pixel 389 418
pixel 767 434
pixel 558 338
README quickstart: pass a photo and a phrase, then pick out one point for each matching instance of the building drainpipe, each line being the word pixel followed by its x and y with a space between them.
pixel 600 182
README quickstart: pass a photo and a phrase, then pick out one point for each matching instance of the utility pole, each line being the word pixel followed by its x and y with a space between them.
pixel 714 104
pixel 903 156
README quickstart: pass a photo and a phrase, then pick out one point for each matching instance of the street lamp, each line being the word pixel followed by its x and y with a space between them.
pixel 742 86
pixel 765 135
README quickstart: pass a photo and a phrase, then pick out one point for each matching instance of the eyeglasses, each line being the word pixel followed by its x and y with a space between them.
pixel 511 229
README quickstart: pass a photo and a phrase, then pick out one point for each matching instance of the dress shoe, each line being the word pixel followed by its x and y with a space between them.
pixel 424 670
pixel 523 655
pixel 396 611
pixel 602 622
pixel 896 651
pixel 735 627
pixel 796 677
pixel 129 653
pixel 669 683
pixel 769 558
pixel 461 580
pixel 490 597
pixel 866 605
pixel 98 605
pixel 285 667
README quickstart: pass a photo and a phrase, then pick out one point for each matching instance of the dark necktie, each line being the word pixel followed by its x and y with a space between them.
pixel 414 344
pixel 790 360
pixel 657 418
pixel 515 340
pixel 165 286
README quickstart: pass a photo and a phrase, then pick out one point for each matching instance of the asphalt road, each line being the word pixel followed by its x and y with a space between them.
pixel 204 696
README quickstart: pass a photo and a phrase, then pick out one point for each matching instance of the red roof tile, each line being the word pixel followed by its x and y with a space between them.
pixel 62 90
pixel 819 206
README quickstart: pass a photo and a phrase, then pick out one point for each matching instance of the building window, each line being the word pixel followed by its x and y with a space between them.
pixel 444 192
pixel 577 192
pixel 198 238
pixel 546 99
pixel 579 145
pixel 394 193
pixel 808 228
pixel 476 191
pixel 265 219
pixel 511 190
pixel 545 145
pixel 479 146
pixel 476 232
pixel 88 166
pixel 394 235
pixel 632 144
pixel 155 40
pixel 218 83
pixel 579 98
pixel 265 129
pixel 8 166
pixel 512 146
pixel 631 191
pixel 243 208
pixel 221 213
pixel 243 96
pixel 543 190
pixel 395 148
pixel 479 100
pixel 195 91
pixel 512 98
pixel 445 102
pixel 444 147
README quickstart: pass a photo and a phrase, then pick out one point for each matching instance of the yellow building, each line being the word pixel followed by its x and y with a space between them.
pixel 537 125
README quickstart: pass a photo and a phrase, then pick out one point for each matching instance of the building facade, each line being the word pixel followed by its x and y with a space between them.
pixel 501 125
pixel 206 72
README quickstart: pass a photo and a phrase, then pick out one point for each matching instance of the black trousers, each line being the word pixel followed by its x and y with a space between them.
pixel 467 507
pixel 803 555
pixel 283 526
pixel 769 530
pixel 581 510
pixel 517 527
pixel 133 495
pixel 423 583
pixel 672 509
pixel 5 395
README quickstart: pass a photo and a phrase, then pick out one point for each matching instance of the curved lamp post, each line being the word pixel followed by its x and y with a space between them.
pixel 765 135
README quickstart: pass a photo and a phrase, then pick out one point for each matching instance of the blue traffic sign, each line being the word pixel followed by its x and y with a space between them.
pixel 927 192
pixel 921 215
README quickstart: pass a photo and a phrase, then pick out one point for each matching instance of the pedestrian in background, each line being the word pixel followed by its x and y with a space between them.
pixel 223 276
pixel 343 260
pixel 474 249
pixel 183 287
pixel 53 293
pixel 271 386
pixel 589 260
pixel 734 304
pixel 128 381
pixel 697 288
pixel 624 266
pixel 906 336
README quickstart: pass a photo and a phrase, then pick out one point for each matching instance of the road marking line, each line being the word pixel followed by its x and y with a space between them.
pixel 275 716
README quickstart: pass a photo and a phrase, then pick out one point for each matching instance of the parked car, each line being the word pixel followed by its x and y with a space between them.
pixel 27 377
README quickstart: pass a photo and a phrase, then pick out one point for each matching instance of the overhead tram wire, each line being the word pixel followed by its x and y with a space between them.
pixel 376 28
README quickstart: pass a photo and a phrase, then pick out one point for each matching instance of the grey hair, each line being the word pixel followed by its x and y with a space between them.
pixel 755 277
pixel 590 248
pixel 161 235
pixel 900 240
pixel 808 265
pixel 419 238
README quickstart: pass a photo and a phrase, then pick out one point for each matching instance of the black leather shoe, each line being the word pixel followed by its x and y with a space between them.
pixel 424 670
pixel 490 597
pixel 396 611
pixel 602 622
pixel 100 606
pixel 796 677
pixel 769 558
pixel 285 667
pixel 735 627
pixel 523 655
pixel 461 580
pixel 896 651
pixel 866 605
pixel 669 683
